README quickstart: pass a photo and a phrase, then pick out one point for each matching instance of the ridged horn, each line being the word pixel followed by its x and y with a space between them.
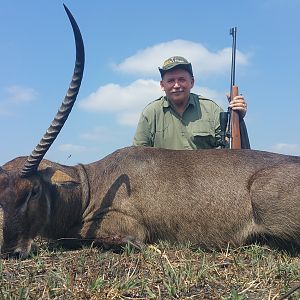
pixel 52 132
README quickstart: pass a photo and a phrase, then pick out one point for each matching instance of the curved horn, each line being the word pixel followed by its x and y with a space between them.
pixel 52 132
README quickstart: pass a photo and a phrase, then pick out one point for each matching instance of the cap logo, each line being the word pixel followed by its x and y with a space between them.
pixel 175 59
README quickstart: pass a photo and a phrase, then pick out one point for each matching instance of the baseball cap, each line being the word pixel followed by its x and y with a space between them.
pixel 176 62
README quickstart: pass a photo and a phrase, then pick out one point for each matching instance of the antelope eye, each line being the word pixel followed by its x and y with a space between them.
pixel 35 191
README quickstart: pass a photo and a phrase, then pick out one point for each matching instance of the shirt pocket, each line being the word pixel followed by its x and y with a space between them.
pixel 160 132
pixel 203 134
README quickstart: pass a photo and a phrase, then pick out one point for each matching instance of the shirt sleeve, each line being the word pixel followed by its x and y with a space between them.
pixel 143 136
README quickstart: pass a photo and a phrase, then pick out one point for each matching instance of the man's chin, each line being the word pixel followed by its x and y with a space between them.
pixel 178 97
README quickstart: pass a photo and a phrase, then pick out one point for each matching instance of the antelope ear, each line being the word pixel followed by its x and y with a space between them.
pixel 58 177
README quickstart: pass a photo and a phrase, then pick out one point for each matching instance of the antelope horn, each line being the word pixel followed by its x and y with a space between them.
pixel 52 132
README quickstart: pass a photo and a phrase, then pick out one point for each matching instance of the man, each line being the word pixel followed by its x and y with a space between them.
pixel 180 119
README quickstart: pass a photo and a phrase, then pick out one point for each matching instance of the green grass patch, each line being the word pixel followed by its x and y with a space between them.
pixel 159 271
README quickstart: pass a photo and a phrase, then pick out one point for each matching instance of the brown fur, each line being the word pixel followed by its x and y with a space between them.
pixel 206 197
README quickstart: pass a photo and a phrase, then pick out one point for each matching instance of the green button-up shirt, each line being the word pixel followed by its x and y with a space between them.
pixel 161 126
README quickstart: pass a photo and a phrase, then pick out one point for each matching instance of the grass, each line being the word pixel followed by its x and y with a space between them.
pixel 159 271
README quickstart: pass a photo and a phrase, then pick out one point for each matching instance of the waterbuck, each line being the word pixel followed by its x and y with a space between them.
pixel 209 198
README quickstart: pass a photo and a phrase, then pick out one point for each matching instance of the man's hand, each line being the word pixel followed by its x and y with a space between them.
pixel 239 104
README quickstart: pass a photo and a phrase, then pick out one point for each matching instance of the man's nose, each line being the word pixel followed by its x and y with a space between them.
pixel 176 84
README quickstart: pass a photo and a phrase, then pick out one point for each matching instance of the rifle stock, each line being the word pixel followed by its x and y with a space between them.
pixel 235 123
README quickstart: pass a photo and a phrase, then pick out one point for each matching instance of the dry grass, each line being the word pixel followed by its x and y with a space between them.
pixel 157 272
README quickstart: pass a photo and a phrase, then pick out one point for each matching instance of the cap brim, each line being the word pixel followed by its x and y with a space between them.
pixel 187 67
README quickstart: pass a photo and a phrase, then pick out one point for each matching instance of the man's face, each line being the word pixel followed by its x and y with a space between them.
pixel 177 85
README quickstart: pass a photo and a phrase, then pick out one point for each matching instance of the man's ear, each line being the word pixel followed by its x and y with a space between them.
pixel 162 85
pixel 192 82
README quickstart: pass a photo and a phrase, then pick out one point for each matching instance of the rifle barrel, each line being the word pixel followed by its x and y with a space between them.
pixel 234 127
pixel 233 31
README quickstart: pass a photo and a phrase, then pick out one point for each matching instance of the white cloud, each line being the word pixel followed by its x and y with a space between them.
pixel 113 97
pixel 13 95
pixel 73 148
pixel 96 134
pixel 290 149
pixel 129 118
pixel 218 97
pixel 127 101
pixel 205 62
pixel 17 94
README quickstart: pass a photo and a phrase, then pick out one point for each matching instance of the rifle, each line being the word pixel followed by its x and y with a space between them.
pixel 232 116
pixel 234 119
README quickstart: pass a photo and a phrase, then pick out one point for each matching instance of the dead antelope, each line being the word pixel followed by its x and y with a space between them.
pixel 141 195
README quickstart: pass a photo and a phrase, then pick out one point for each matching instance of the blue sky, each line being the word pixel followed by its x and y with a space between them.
pixel 125 42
